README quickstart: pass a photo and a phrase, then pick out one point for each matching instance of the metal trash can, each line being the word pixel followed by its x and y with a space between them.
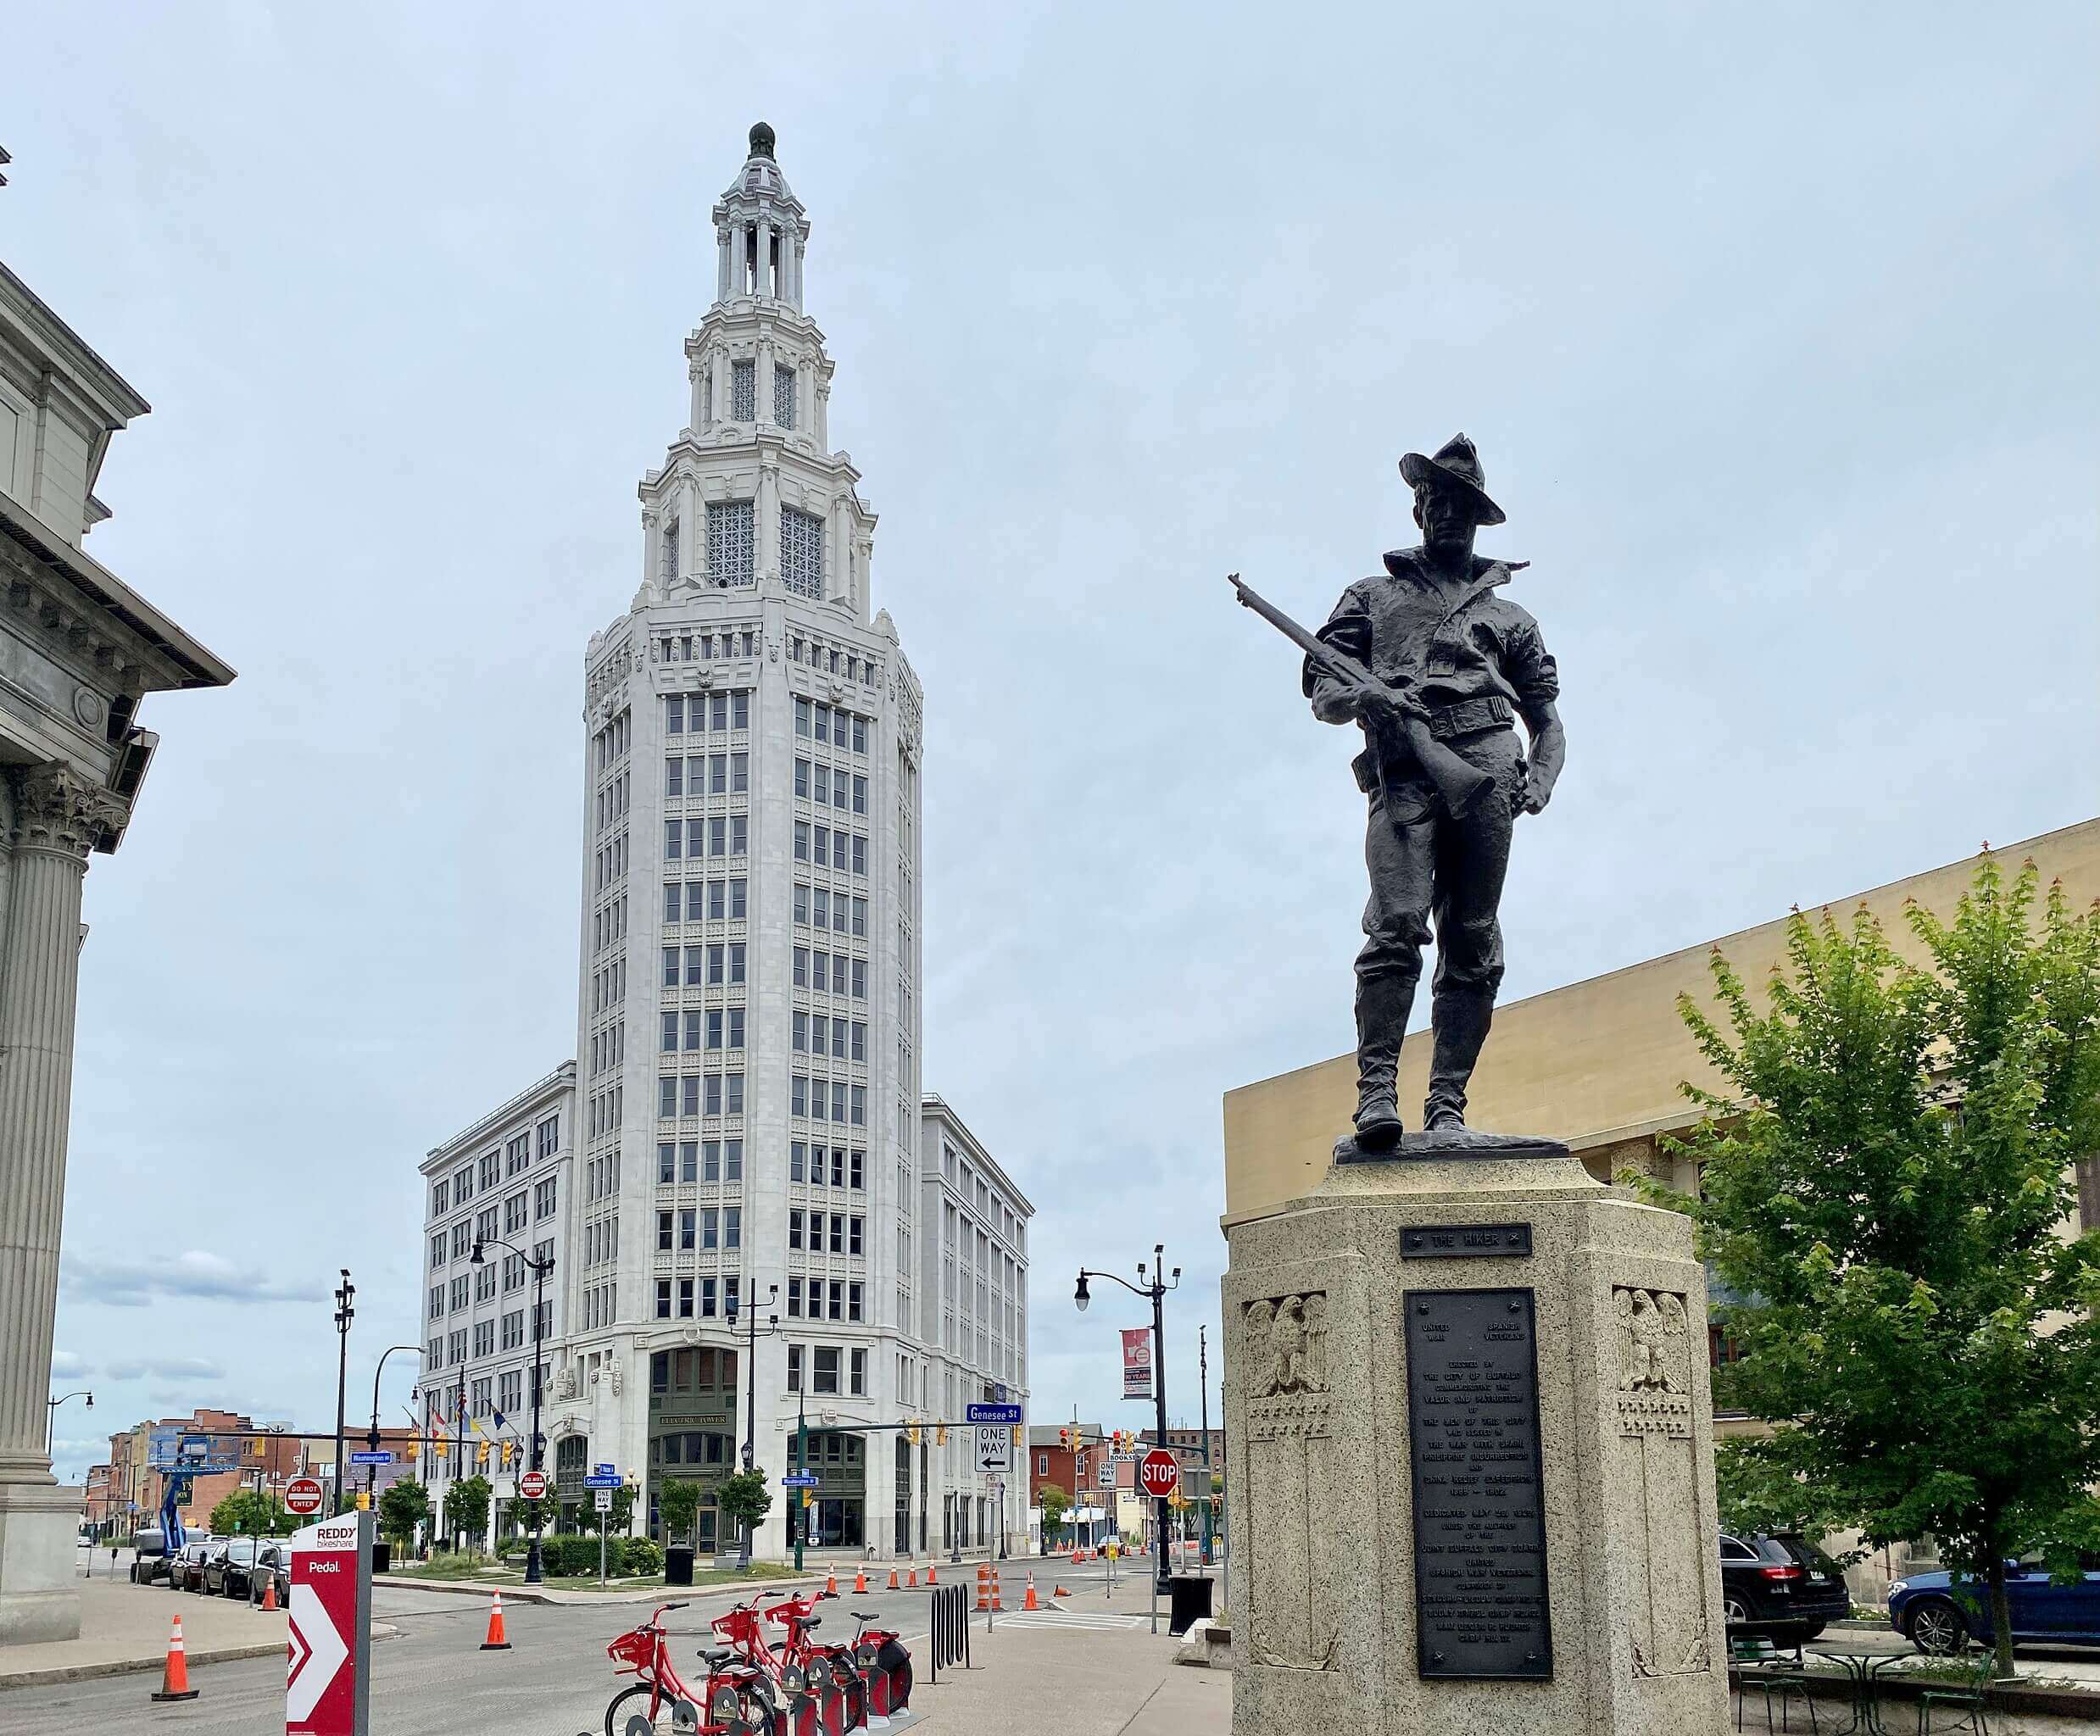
pixel 1190 1601
pixel 383 1555
pixel 678 1564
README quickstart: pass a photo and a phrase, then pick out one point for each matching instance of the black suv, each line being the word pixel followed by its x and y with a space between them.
pixel 1783 1586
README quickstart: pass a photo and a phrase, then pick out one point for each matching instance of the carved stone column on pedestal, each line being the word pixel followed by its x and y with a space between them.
pixel 58 816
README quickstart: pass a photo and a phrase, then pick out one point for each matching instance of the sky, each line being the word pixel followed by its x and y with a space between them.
pixel 1773 325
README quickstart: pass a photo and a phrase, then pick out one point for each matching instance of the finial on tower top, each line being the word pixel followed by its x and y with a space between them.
pixel 762 141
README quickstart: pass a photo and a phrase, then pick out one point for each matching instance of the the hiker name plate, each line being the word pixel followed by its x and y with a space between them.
pixel 1480 1520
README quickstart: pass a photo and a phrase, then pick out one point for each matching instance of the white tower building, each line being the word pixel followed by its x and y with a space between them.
pixel 749 1023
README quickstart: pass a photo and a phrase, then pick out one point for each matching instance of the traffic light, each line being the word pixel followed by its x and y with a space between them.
pixel 911 1434
pixel 481 1456
pixel 412 1450
pixel 1064 1438
pixel 940 1434
pixel 509 1449
pixel 1018 1441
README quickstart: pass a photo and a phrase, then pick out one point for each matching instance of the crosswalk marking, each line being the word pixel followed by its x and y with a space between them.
pixel 1073 1618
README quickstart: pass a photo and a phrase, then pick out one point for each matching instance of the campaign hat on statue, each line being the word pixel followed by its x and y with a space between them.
pixel 1458 464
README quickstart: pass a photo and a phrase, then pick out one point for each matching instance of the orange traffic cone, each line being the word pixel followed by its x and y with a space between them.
pixel 269 1592
pixel 893 1578
pixel 912 1580
pixel 831 1583
pixel 175 1673
pixel 1059 1591
pixel 860 1581
pixel 1029 1602
pixel 930 1578
pixel 495 1642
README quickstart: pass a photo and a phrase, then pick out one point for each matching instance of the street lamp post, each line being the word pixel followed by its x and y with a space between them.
pixel 750 1415
pixel 51 1416
pixel 1203 1380
pixel 371 1439
pixel 346 1292
pixel 1155 1288
pixel 540 1269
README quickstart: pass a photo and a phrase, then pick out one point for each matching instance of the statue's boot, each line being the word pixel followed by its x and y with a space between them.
pixel 1461 1017
pixel 1383 1004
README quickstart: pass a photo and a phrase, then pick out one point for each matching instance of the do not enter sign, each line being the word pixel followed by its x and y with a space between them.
pixel 1160 1474
pixel 532 1485
pixel 302 1495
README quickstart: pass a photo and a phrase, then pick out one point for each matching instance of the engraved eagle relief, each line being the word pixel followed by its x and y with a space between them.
pixel 1654 1342
pixel 1286 1345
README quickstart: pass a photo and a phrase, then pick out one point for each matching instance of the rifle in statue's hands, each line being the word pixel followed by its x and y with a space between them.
pixel 1463 787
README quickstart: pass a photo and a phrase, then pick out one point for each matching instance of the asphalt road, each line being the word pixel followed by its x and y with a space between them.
pixel 434 1680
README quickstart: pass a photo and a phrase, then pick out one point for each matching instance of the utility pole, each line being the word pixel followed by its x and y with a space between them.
pixel 346 1292
pixel 1203 1369
pixel 750 1415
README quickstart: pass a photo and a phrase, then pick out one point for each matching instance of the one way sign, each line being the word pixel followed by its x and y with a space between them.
pixel 994 1451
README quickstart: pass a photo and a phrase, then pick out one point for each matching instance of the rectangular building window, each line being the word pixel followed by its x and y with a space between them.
pixel 669 568
pixel 743 391
pixel 802 553
pixel 730 547
pixel 783 396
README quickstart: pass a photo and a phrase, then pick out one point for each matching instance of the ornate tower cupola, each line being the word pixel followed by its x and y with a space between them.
pixel 761 230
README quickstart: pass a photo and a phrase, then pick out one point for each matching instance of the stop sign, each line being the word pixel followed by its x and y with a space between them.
pixel 532 1485
pixel 302 1495
pixel 1160 1472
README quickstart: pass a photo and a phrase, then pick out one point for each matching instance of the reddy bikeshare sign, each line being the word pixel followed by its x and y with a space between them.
pixel 329 1649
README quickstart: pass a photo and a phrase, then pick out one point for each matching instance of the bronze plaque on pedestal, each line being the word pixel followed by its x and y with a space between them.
pixel 1480 1519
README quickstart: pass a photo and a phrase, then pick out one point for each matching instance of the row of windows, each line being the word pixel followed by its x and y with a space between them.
pixel 823 1365
pixel 714 965
pixel 509 1159
pixel 708 775
pixel 609 925
pixel 846 851
pixel 831 660
pixel 606 1110
pixel 693 1371
pixel 697 713
pixel 706 900
pixel 700 1094
pixel 843 1297
pixel 819 907
pixel 601 1240
pixel 687 648
pixel 845 1231
pixel 452 1348
pixel 700 1161
pixel 811 1163
pixel 843 1039
pixel 607 1047
pixel 609 984
pixel 815 782
pixel 611 742
pixel 601 1177
pixel 830 973
pixel 712 835
pixel 715 1027
pixel 706 1227
pixel 610 863
pixel 695 1298
pixel 482 1227
pixel 612 802
pixel 833 726
pixel 807 1098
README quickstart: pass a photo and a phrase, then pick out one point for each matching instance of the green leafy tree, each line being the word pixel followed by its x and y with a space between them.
pixel 249 1512
pixel 403 1506
pixel 745 1498
pixel 678 1503
pixel 1055 1503
pixel 466 1507
pixel 1886 1178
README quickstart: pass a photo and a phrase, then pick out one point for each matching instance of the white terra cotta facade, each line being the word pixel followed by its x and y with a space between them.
pixel 748 1114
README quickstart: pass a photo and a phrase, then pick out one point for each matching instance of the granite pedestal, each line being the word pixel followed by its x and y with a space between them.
pixel 1472 1442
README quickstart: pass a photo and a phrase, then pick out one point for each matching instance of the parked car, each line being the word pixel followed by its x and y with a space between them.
pixel 1782 1585
pixel 1942 1612
pixel 226 1568
pixel 186 1567
pixel 149 1556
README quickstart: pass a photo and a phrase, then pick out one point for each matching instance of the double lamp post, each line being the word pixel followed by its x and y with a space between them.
pixel 1154 1288
pixel 540 1269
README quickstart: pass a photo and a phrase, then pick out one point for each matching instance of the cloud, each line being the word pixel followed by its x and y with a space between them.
pixel 65 1366
pixel 177 1368
pixel 194 1273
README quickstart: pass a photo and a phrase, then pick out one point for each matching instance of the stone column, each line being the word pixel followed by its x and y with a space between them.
pixel 693 542
pixel 762 273
pixel 721 262
pixel 762 383
pixel 58 815
pixel 765 532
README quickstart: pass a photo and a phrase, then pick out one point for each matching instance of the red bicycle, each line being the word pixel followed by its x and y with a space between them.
pixel 738 1701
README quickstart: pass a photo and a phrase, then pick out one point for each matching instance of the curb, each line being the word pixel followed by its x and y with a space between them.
pixel 127 1667
pixel 562 1600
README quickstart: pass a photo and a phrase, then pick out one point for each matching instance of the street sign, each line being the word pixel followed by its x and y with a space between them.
pixel 800 1479
pixel 532 1485
pixel 1160 1474
pixel 603 1502
pixel 1008 1415
pixel 994 1446
pixel 603 1470
pixel 372 1458
pixel 329 1636
pixel 602 1479
pixel 302 1495
pixel 1106 1477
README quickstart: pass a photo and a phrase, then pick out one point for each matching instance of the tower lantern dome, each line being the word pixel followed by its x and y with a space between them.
pixel 760 229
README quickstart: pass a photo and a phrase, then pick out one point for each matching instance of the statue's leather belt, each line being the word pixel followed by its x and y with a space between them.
pixel 1467 716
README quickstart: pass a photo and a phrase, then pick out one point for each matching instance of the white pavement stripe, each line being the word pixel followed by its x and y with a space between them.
pixel 1077 1618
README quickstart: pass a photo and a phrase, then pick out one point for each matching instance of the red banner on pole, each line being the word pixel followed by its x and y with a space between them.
pixel 1137 1362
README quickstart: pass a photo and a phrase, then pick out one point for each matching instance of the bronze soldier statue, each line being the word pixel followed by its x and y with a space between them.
pixel 1436 666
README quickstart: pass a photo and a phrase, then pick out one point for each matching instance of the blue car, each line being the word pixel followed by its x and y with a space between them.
pixel 1937 1613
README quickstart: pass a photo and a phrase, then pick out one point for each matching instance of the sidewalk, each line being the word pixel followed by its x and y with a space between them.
pixel 125 1626
pixel 1045 1680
